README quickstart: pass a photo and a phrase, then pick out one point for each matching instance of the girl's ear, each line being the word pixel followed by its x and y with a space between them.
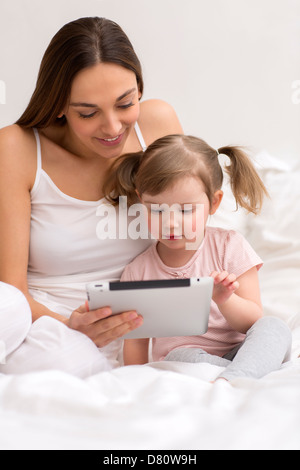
pixel 217 199
pixel 138 194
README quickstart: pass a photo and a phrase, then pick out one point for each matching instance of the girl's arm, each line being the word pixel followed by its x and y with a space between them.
pixel 136 351
pixel 238 299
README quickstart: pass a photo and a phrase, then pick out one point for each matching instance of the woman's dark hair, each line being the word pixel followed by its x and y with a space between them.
pixel 76 46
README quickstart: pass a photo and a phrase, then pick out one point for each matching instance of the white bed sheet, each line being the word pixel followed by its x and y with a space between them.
pixel 173 405
pixel 157 406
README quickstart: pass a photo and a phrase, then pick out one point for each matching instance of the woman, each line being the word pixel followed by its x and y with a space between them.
pixel 84 113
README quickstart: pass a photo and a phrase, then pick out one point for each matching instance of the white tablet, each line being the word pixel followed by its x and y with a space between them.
pixel 169 307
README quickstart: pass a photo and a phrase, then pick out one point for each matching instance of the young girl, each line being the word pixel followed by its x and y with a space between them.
pixel 184 173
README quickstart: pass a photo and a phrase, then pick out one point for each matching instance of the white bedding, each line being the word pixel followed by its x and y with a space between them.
pixel 172 405
pixel 151 407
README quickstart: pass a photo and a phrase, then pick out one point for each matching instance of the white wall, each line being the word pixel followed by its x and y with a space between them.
pixel 227 66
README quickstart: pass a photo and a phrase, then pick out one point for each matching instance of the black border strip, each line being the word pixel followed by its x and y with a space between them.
pixel 153 284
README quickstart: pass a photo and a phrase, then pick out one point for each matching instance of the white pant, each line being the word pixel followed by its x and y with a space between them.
pixel 45 344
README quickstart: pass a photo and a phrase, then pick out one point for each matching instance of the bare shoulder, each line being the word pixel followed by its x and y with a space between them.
pixel 18 151
pixel 13 137
pixel 157 119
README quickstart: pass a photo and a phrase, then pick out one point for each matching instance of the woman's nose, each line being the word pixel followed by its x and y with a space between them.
pixel 110 126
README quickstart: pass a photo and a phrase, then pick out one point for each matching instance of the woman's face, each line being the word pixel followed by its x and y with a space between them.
pixel 102 109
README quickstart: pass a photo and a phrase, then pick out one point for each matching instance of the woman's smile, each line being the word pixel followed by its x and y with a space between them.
pixel 111 142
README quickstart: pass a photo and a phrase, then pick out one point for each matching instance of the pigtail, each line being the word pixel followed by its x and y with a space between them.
pixel 120 180
pixel 247 187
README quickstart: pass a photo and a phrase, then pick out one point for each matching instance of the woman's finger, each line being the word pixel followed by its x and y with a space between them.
pixel 118 332
pixel 115 321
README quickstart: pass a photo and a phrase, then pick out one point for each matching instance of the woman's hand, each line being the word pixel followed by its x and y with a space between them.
pixel 101 326
pixel 224 286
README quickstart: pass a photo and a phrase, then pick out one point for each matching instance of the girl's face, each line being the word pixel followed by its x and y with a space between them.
pixel 177 217
pixel 102 109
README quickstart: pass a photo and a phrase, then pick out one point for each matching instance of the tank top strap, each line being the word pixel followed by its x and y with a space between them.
pixel 38 150
pixel 140 136
pixel 38 160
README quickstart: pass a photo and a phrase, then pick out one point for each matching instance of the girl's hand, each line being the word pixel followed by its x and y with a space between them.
pixel 224 286
pixel 101 326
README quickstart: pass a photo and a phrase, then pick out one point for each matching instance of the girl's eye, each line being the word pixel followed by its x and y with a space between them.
pixel 156 211
pixel 187 209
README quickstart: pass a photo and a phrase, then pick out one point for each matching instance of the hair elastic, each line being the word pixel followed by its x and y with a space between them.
pixel 217 152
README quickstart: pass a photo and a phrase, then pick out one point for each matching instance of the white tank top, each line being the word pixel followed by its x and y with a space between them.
pixel 65 249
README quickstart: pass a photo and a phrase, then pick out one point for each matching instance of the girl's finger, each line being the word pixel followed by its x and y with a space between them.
pixel 220 277
pixel 229 279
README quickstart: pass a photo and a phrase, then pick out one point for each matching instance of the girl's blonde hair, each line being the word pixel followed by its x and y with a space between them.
pixel 170 158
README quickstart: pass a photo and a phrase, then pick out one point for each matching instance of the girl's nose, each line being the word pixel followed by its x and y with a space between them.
pixel 173 219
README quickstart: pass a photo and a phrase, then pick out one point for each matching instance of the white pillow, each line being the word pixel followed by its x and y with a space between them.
pixel 275 235
pixel 227 216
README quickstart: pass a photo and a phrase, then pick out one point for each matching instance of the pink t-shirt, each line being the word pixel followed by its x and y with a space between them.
pixel 221 250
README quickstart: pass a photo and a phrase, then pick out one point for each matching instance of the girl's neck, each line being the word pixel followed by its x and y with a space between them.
pixel 174 258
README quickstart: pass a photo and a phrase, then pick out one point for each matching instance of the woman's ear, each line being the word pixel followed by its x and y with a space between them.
pixel 217 199
pixel 63 112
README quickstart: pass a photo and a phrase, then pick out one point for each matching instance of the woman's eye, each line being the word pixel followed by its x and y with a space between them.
pixel 87 116
pixel 125 106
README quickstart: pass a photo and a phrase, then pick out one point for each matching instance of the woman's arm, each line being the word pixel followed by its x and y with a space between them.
pixel 136 351
pixel 17 170
pixel 17 175
pixel 238 299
